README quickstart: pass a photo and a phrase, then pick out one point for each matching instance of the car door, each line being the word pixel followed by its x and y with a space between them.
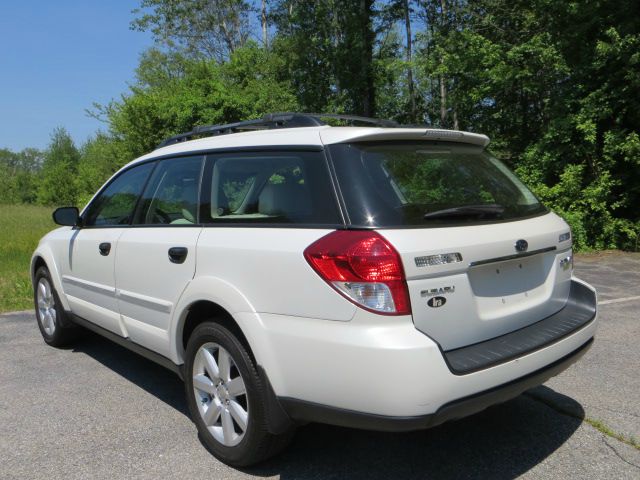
pixel 88 275
pixel 156 258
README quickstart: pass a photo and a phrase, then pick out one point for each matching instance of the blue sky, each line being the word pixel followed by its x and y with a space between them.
pixel 57 57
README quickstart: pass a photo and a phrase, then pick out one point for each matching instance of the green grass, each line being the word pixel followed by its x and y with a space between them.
pixel 604 428
pixel 21 227
pixel 594 422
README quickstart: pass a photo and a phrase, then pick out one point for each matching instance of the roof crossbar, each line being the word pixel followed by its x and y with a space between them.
pixel 273 121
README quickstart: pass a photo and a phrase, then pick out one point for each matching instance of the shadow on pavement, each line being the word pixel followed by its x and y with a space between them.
pixel 153 378
pixel 502 442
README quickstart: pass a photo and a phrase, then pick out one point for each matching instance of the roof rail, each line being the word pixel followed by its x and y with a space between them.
pixel 272 121
pixel 380 122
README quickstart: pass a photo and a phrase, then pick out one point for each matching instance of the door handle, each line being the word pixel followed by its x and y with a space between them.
pixel 105 248
pixel 178 254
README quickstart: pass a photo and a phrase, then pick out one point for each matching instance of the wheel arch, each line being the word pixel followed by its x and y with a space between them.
pixel 206 298
pixel 43 257
pixel 242 326
pixel 37 262
pixel 204 310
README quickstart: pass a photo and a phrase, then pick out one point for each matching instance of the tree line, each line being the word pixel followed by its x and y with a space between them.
pixel 555 85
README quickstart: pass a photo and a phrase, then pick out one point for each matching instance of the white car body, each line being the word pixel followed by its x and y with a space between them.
pixel 327 359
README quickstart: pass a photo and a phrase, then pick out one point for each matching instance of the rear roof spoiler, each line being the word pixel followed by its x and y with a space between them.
pixel 343 135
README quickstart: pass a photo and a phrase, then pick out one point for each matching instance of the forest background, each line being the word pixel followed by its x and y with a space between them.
pixel 554 84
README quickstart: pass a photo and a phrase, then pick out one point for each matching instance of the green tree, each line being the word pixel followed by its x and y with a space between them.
pixel 197 92
pixel 555 86
pixel 57 181
pixel 328 47
pixel 306 41
pixel 212 29
pixel 8 168
pixel 100 157
pixel 18 173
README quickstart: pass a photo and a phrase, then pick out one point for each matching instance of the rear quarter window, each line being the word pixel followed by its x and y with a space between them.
pixel 269 188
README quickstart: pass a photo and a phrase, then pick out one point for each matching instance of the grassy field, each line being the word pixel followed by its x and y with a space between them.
pixel 21 227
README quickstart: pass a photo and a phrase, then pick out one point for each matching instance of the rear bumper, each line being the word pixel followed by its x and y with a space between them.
pixel 375 370
pixel 301 411
pixel 579 310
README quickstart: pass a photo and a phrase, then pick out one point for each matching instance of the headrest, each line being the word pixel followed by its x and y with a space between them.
pixel 288 199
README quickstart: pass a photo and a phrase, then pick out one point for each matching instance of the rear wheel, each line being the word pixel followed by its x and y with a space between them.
pixel 226 398
pixel 49 312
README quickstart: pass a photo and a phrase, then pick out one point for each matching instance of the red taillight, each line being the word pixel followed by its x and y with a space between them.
pixel 364 267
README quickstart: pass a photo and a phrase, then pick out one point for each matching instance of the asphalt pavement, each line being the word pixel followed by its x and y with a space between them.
pixel 99 411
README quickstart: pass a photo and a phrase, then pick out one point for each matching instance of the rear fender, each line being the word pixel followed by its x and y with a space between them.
pixel 211 289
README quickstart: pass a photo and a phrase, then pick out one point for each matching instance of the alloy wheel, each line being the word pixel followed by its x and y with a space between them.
pixel 221 394
pixel 46 306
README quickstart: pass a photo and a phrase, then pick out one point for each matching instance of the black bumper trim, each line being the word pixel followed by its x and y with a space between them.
pixel 579 311
pixel 303 412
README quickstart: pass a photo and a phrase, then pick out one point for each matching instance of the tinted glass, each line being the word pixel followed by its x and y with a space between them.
pixel 171 196
pixel 287 187
pixel 114 206
pixel 408 184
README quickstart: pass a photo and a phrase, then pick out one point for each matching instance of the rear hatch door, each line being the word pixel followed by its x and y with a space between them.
pixel 453 198
pixel 493 289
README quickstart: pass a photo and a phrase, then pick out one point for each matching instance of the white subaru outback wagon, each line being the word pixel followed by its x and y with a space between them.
pixel 289 271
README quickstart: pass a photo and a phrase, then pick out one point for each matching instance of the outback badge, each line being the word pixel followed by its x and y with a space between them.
pixel 436 302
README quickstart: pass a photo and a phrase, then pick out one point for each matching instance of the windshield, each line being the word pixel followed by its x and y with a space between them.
pixel 425 184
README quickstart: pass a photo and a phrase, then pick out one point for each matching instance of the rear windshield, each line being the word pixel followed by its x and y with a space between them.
pixel 395 184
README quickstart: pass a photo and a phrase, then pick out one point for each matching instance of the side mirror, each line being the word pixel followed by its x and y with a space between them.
pixel 67 216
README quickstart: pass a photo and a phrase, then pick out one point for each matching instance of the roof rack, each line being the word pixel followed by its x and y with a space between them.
pixel 273 121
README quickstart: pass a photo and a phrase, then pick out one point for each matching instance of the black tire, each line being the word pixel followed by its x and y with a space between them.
pixel 64 332
pixel 257 444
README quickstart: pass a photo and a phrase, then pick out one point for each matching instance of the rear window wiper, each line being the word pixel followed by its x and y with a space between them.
pixel 489 209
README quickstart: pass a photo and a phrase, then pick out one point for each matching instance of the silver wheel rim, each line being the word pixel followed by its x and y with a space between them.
pixel 220 394
pixel 47 314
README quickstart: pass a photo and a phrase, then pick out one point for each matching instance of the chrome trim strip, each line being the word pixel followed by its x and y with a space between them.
pixel 91 286
pixel 512 257
pixel 157 305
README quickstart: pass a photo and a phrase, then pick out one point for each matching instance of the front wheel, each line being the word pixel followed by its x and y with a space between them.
pixel 49 312
pixel 226 398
